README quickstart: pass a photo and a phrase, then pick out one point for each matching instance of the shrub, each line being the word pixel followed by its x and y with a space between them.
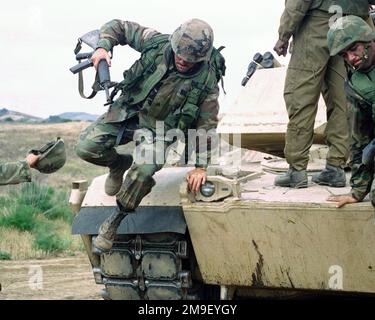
pixel 31 208
pixel 5 201
pixel 59 212
pixel 5 255
pixel 60 209
pixel 21 217
pixel 36 195
pixel 48 239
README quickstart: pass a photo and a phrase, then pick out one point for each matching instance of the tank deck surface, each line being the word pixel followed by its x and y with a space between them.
pixel 263 189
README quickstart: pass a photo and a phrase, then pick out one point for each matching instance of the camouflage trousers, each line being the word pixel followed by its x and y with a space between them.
pixel 97 145
pixel 311 72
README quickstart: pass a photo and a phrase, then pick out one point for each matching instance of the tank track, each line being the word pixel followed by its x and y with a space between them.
pixel 147 267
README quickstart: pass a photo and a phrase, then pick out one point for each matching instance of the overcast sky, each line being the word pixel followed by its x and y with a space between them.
pixel 38 38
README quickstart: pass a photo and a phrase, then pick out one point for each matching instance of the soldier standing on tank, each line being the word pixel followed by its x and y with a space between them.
pixel 311 69
pixel 174 81
pixel 351 38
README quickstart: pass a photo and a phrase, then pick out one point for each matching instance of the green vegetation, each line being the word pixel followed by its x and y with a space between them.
pixel 47 238
pixel 21 217
pixel 40 210
pixel 5 255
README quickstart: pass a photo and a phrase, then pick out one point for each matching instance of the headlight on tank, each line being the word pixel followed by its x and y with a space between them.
pixel 207 189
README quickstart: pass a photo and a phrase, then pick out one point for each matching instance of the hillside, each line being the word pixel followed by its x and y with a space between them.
pixel 78 116
pixel 7 115
pixel 10 116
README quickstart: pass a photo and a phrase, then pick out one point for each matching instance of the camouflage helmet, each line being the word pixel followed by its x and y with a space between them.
pixel 346 31
pixel 193 41
pixel 52 156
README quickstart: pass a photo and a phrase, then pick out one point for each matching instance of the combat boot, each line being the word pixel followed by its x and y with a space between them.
pixel 107 231
pixel 293 179
pixel 116 174
pixel 331 176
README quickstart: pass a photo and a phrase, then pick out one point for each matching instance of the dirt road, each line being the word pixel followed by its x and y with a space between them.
pixel 51 279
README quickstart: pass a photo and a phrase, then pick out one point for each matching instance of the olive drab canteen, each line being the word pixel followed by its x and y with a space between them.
pixel 346 31
pixel 193 41
pixel 52 156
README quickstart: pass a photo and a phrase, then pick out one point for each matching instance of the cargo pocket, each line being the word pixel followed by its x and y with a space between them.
pixel 189 114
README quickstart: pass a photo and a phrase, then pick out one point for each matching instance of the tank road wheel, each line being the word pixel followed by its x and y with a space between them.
pixel 147 267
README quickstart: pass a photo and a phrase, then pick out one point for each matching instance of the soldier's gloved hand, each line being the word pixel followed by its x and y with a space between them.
pixel 281 47
pixel 342 200
pixel 196 178
pixel 32 160
pixel 100 54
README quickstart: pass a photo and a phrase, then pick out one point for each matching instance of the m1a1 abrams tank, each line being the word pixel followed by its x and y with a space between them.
pixel 240 236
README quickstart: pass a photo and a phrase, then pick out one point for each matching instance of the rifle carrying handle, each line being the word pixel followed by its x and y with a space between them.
pixel 81 66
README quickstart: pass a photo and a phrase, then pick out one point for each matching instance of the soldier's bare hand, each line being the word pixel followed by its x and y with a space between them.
pixel 32 160
pixel 281 47
pixel 100 54
pixel 342 200
pixel 196 178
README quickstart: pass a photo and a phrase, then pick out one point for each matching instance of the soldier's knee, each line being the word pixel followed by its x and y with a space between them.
pixel 138 183
pixel 86 150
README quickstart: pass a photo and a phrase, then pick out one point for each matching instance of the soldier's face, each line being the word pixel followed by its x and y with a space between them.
pixel 182 65
pixel 357 56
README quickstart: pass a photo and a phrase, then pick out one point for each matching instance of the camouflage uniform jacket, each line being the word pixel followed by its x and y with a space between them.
pixel 170 92
pixel 14 172
pixel 362 111
pixel 296 10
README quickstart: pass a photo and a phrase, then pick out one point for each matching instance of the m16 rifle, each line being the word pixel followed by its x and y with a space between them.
pixel 103 78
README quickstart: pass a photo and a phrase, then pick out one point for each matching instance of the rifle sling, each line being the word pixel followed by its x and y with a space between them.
pixel 120 134
pixel 81 88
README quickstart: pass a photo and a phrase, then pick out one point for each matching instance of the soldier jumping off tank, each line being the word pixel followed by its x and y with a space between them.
pixel 174 81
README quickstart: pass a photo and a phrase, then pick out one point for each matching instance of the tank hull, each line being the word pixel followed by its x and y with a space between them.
pixel 275 237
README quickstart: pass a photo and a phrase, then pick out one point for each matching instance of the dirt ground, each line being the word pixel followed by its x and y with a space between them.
pixel 50 279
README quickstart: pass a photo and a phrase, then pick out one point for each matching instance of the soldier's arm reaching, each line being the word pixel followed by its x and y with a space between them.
pixel 206 128
pixel 17 172
pixel 294 12
pixel 121 32
pixel 206 139
pixel 362 175
pixel 117 32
